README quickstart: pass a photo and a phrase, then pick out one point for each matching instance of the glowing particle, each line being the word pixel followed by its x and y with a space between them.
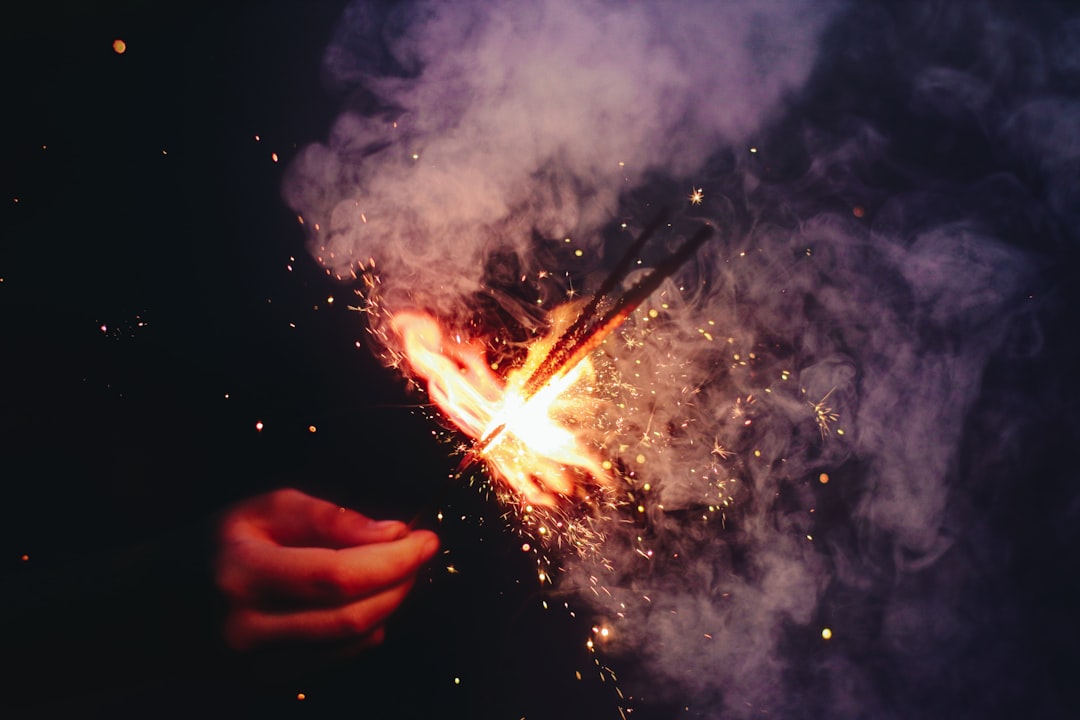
pixel 257 138
pixel 579 253
pixel 330 300
pixel 577 674
pixel 119 46
pixel 259 425
pixel 640 459
pixel 26 557
pixel 757 453
pixel 753 149
pixel 311 428
pixel 823 478
pixel 526 547
pixel 226 396
pixel 641 508
pixel 542 576
pixel 824 415
pixel 301 696
pixel 826 633
pixel 646 487
pixel 653 313
pixel 696 196
pixel 274 157
pixel 104 328
pixel 416 156
pixel 457 681
pixel 858 211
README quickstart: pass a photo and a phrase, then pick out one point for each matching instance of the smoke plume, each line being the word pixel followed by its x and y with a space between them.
pixel 822 405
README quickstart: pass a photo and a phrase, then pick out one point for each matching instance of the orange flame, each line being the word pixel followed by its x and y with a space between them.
pixel 530 443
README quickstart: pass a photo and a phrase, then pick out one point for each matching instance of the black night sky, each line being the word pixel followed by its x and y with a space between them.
pixel 158 300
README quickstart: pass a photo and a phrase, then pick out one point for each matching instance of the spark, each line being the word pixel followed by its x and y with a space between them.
pixel 119 46
pixel 824 414
pixel 696 196
pixel 719 450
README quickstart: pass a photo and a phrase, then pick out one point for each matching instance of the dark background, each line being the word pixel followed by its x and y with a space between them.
pixel 137 199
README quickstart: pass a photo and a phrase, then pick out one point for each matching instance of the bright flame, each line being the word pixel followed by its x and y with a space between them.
pixel 529 442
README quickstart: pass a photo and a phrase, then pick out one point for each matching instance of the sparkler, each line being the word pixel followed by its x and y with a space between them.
pixel 595 323
pixel 520 424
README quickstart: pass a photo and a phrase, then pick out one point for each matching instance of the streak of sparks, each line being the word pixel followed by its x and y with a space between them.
pixel 824 415
pixel 719 450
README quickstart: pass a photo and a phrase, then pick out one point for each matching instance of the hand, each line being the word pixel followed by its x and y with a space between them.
pixel 297 569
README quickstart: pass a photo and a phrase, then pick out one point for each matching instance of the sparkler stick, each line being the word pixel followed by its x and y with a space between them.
pixel 589 311
pixel 588 331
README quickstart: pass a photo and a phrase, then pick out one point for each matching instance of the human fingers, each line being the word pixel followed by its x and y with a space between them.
pixel 259 570
pixel 291 517
pixel 359 624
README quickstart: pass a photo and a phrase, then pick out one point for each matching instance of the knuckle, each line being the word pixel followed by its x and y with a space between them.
pixel 231 582
pixel 283 496
pixel 232 573
pixel 331 583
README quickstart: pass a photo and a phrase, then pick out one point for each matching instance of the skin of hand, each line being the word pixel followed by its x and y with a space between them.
pixel 297 570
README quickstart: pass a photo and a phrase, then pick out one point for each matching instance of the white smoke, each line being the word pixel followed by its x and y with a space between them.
pixel 881 176
pixel 490 121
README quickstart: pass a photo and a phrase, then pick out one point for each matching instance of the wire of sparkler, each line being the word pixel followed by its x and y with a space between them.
pixel 588 313
pixel 567 358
